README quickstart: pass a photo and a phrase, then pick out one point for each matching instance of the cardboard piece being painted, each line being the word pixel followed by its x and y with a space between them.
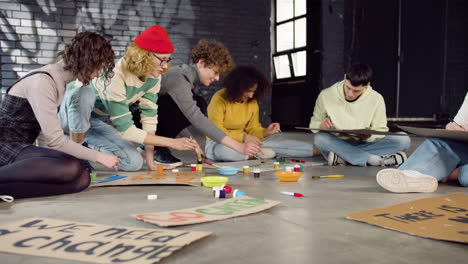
pixel 443 217
pixel 151 178
pixel 438 133
pixel 92 242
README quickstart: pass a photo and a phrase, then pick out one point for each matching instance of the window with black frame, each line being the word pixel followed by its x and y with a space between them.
pixel 289 56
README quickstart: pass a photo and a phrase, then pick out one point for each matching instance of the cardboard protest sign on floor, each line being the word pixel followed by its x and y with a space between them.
pixel 444 217
pixel 150 178
pixel 439 133
pixel 92 242
pixel 229 208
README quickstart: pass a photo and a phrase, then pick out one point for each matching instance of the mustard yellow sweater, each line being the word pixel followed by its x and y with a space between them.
pixel 235 119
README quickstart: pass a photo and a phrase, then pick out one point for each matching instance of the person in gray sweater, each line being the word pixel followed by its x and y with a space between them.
pixel 179 104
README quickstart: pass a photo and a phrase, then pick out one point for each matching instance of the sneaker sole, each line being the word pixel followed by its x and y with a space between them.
pixel 396 181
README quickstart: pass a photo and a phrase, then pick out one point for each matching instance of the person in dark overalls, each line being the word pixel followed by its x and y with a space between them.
pixel 29 113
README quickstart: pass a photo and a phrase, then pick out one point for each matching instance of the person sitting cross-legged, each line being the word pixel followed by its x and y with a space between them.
pixel 234 109
pixel 353 104
pixel 434 160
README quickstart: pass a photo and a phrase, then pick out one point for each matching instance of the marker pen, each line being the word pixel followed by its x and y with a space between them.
pixel 293 194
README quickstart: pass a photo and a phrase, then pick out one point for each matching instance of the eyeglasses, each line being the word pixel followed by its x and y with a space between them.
pixel 163 62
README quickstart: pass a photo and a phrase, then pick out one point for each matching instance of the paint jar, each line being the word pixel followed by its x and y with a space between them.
pixel 278 159
pixel 297 168
pixel 288 168
pixel 93 176
pixel 227 189
pixel 199 167
pixel 276 165
pixel 160 169
pixel 256 173
pixel 246 169
pixel 219 194
pixel 175 170
pixel 302 161
pixel 293 160
pixel 193 167
pixel 238 193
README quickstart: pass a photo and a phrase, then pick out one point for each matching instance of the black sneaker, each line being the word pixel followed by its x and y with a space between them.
pixel 163 156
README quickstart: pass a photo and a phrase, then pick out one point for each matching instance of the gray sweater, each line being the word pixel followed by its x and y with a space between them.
pixel 179 83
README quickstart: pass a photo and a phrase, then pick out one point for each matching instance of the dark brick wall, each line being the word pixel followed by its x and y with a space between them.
pixel 32 32
pixel 457 60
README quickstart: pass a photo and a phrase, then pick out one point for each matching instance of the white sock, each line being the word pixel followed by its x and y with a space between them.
pixel 374 160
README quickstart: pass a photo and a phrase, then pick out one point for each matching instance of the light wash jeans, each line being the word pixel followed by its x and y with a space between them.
pixel 281 145
pixel 76 115
pixel 358 152
pixel 438 158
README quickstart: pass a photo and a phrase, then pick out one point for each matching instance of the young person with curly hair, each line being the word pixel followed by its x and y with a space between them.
pixel 180 104
pixel 29 111
pixel 234 109
pixel 101 116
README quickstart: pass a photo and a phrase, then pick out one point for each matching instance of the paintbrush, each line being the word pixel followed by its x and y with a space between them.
pixel 212 164
pixel 328 176
pixel 453 121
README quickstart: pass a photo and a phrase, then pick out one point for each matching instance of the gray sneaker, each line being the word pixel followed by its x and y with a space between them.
pixel 394 159
pixel 334 160
pixel 403 181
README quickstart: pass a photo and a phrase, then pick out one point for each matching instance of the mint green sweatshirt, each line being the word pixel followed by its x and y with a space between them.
pixel 368 111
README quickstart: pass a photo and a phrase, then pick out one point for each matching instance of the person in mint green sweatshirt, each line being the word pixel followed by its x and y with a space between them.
pixel 353 104
pixel 100 114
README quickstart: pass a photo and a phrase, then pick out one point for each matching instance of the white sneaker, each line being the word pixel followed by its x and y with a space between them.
pixel 268 153
pixel 334 160
pixel 402 181
pixel 395 159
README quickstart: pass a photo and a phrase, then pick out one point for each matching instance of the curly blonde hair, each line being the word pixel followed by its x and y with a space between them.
pixel 139 61
pixel 214 54
pixel 87 52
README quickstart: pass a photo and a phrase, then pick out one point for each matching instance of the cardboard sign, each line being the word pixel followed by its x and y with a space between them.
pixel 443 217
pixel 439 133
pixel 92 242
pixel 353 131
pixel 151 178
pixel 267 165
pixel 229 208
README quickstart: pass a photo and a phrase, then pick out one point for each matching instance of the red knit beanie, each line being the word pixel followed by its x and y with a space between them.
pixel 155 39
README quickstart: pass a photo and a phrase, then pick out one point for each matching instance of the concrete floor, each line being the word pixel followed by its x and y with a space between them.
pixel 312 229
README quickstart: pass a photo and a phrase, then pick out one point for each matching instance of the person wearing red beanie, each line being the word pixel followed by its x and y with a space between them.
pixel 116 116
pixel 155 39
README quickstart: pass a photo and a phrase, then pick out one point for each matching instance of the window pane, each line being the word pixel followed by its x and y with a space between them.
pixel 284 36
pixel 299 60
pixel 300 33
pixel 284 10
pixel 300 7
pixel 281 64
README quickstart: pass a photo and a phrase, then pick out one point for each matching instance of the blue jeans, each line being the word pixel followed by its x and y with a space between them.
pixel 282 146
pixel 438 158
pixel 358 152
pixel 76 116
